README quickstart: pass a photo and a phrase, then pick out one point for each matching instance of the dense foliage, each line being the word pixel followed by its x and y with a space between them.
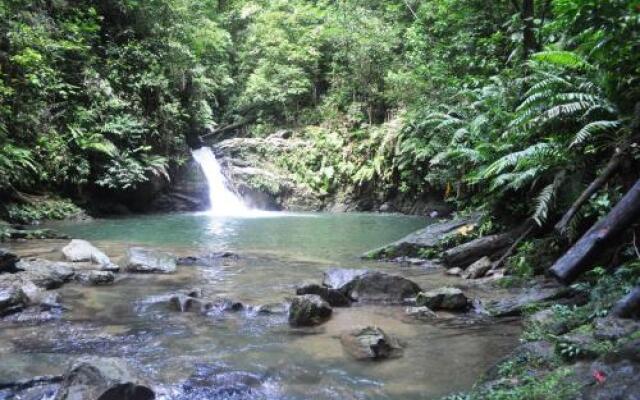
pixel 497 104
pixel 102 92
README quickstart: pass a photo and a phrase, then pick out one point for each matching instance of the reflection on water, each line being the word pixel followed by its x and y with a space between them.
pixel 191 356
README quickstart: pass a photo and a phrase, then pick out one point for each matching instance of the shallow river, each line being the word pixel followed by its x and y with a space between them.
pixel 187 355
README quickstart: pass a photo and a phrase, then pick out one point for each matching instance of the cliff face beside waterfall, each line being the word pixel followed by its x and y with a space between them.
pixel 272 173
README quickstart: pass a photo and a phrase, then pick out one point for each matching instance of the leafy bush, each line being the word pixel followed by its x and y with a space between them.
pixel 39 210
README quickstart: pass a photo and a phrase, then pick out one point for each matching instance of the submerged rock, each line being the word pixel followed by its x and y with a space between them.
pixel 452 299
pixel 194 301
pixel 378 287
pixel 184 303
pixel 149 261
pixel 213 259
pixel 96 278
pixel 82 251
pixel 36 388
pixel 334 297
pixel 216 382
pixel 308 310
pixel 370 343
pixel 102 379
pixel 337 278
pixel 271 309
pixel 427 238
pixel 420 313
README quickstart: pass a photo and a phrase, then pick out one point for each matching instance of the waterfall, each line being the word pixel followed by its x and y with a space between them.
pixel 223 201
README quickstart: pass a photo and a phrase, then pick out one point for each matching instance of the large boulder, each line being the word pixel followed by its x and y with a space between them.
pixel 102 379
pixel 8 262
pixel 82 251
pixel 334 297
pixel 308 310
pixel 338 278
pixel 188 190
pixel 447 298
pixel 378 287
pixel 427 238
pixel 149 261
pixel 370 343
pixel 44 273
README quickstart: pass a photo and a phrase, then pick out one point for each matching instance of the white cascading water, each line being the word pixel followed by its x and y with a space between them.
pixel 223 201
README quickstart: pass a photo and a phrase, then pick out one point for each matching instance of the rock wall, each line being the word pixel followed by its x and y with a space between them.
pixel 187 191
pixel 251 168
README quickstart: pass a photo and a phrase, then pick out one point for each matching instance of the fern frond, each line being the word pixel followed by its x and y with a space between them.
pixel 564 59
pixel 543 204
pixel 593 128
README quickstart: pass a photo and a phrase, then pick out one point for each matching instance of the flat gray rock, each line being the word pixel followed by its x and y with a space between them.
pixel 426 238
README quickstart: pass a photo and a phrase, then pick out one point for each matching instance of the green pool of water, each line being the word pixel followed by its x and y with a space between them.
pixel 277 252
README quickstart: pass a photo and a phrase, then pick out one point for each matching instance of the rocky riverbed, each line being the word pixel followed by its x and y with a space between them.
pixel 142 320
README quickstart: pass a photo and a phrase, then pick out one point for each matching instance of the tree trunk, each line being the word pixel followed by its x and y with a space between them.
pixel 530 44
pixel 599 237
pixel 612 166
pixel 465 254
pixel 230 127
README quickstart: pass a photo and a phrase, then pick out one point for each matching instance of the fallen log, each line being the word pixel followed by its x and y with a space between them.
pixel 607 173
pixel 465 254
pixel 629 305
pixel 230 127
pixel 582 254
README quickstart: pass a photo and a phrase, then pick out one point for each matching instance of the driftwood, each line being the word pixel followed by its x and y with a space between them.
pixel 465 254
pixel 599 237
pixel 610 169
pixel 629 305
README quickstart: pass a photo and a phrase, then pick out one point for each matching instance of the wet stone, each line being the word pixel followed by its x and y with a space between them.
pixel 378 287
pixel 142 260
pixel 334 297
pixel 96 278
pixel 308 310
pixel 102 378
pixel 370 343
pixel 8 262
pixel 82 251
pixel 338 278
pixel 452 299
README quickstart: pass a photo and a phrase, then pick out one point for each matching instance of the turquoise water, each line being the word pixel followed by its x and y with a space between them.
pixel 238 356
pixel 335 237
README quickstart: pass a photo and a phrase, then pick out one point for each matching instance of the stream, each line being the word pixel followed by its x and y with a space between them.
pixel 190 356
